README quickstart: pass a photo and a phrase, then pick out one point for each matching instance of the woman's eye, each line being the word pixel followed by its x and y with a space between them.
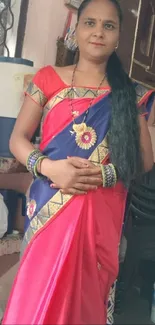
pixel 89 23
pixel 109 26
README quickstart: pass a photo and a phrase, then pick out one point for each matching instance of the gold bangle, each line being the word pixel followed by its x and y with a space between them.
pixel 109 175
pixel 31 153
pixel 103 175
pixel 114 174
pixel 31 160
pixel 39 160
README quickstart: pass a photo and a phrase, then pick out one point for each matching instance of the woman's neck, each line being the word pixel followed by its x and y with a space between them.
pixel 90 66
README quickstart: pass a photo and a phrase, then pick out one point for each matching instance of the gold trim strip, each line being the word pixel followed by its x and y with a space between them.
pixel 57 202
pixel 73 93
pixel 36 94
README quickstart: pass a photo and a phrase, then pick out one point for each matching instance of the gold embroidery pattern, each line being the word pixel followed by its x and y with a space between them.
pixel 74 94
pixel 141 92
pixel 58 201
pixel 37 94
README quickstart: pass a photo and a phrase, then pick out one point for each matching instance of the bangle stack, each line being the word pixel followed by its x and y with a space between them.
pixel 109 175
pixel 34 158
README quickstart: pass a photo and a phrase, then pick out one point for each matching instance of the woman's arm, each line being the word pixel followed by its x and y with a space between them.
pixel 62 172
pixel 146 145
pixel 25 127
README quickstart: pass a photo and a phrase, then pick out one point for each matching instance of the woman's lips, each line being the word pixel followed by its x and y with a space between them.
pixel 97 44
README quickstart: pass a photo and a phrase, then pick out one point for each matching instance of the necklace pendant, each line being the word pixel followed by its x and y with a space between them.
pixel 79 128
pixel 86 139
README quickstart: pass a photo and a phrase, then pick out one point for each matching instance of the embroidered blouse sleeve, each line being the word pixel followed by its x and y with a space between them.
pixel 145 98
pixel 37 88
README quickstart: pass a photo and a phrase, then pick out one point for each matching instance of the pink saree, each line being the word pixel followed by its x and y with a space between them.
pixel 71 244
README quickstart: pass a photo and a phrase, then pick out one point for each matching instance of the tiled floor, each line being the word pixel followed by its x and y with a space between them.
pixel 7 262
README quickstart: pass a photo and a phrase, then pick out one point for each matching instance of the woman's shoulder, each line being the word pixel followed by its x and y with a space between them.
pixel 47 71
pixel 145 99
pixel 47 82
pixel 60 75
pixel 143 92
pixel 55 70
pixel 50 80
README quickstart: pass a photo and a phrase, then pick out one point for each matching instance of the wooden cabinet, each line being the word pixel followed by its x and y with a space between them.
pixel 137 43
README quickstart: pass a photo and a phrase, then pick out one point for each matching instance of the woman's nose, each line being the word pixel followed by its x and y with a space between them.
pixel 98 32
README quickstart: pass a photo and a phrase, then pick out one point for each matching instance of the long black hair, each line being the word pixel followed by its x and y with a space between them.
pixel 124 133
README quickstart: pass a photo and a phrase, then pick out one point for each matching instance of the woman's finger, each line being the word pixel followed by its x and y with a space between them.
pixel 85 187
pixel 87 183
pixel 89 180
pixel 54 186
pixel 89 171
pixel 78 162
pixel 72 191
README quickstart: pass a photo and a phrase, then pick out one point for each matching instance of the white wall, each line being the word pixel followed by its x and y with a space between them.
pixel 13 79
pixel 45 23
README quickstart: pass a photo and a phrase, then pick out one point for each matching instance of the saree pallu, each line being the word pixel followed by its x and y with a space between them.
pixel 71 243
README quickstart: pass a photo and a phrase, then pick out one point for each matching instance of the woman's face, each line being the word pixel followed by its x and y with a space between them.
pixel 98 30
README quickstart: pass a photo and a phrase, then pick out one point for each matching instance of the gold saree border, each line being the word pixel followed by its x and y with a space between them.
pixel 73 93
pixel 58 201
pixel 36 94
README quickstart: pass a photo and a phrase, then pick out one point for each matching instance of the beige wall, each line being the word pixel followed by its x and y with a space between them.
pixel 45 22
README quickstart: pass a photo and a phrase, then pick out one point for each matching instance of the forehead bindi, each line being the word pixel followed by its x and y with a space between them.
pixel 103 10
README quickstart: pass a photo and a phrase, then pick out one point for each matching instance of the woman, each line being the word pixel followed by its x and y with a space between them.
pixel 75 211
